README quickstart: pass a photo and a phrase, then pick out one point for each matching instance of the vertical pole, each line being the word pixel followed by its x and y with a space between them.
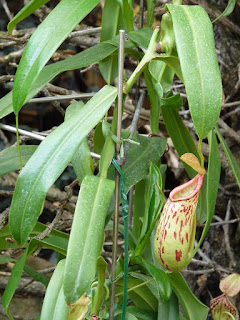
pixel 117 177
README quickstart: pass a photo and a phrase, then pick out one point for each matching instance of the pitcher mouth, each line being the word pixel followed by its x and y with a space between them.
pixel 187 190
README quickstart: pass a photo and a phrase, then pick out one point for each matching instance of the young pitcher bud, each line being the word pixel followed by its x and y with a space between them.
pixel 174 239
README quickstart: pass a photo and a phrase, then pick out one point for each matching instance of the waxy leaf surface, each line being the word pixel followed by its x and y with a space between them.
pixel 86 236
pixel 49 161
pixel 197 54
pixel 44 42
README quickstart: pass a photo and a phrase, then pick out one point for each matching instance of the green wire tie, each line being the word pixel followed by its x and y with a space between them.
pixel 125 217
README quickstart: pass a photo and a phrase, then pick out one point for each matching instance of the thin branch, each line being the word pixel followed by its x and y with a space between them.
pixel 75 34
pixel 34 136
pixel 63 97
pixel 133 125
pixel 6 9
pixel 226 235
pixel 3 218
pixel 55 103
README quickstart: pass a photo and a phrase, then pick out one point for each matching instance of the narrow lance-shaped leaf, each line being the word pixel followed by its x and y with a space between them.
pixel 80 60
pixel 28 9
pixel 43 43
pixel 213 177
pixel 197 54
pixel 150 149
pixel 86 236
pixel 100 292
pixel 193 308
pixel 232 161
pixel 150 12
pixel 162 73
pixel 161 278
pixel 140 292
pixel 229 9
pixel 56 240
pixel 169 310
pixel 49 160
pixel 13 283
pixel 138 207
pixel 9 159
pixel 155 102
pixel 82 159
pixel 54 305
pixel 110 27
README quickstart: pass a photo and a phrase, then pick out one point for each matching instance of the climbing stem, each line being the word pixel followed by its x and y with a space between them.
pixel 200 152
pixel 18 144
pixel 135 287
pixel 149 55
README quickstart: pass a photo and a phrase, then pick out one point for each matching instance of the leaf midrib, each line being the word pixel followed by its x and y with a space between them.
pixel 58 27
pixel 86 242
pixel 199 64
pixel 59 146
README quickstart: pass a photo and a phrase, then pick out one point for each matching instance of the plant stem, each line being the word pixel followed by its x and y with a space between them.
pixel 141 246
pixel 138 286
pixel 200 152
pixel 149 55
pixel 18 144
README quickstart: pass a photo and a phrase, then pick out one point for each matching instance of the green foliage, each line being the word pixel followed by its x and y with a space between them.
pixel 201 75
pixel 229 9
pixel 60 22
pixel 187 51
pixel 9 160
pixel 54 305
pixel 86 237
pixel 26 11
pixel 44 167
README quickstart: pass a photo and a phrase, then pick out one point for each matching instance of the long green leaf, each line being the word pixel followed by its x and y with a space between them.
pixel 44 42
pixel 150 149
pixel 161 278
pixel 48 162
pixel 169 310
pixel 54 304
pixel 229 9
pixel 110 27
pixel 127 8
pixel 162 73
pixel 56 240
pixel 138 207
pixel 213 177
pixel 100 293
pixel 28 9
pixel 13 283
pixel 153 198
pixel 172 61
pixel 139 292
pixel 193 308
pixel 155 102
pixel 80 60
pixel 82 159
pixel 86 236
pixel 141 36
pixel 232 161
pixel 150 12
pixel 141 314
pixel 9 159
pixel 197 54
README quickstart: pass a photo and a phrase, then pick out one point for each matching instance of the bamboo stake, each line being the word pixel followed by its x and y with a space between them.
pixel 116 212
